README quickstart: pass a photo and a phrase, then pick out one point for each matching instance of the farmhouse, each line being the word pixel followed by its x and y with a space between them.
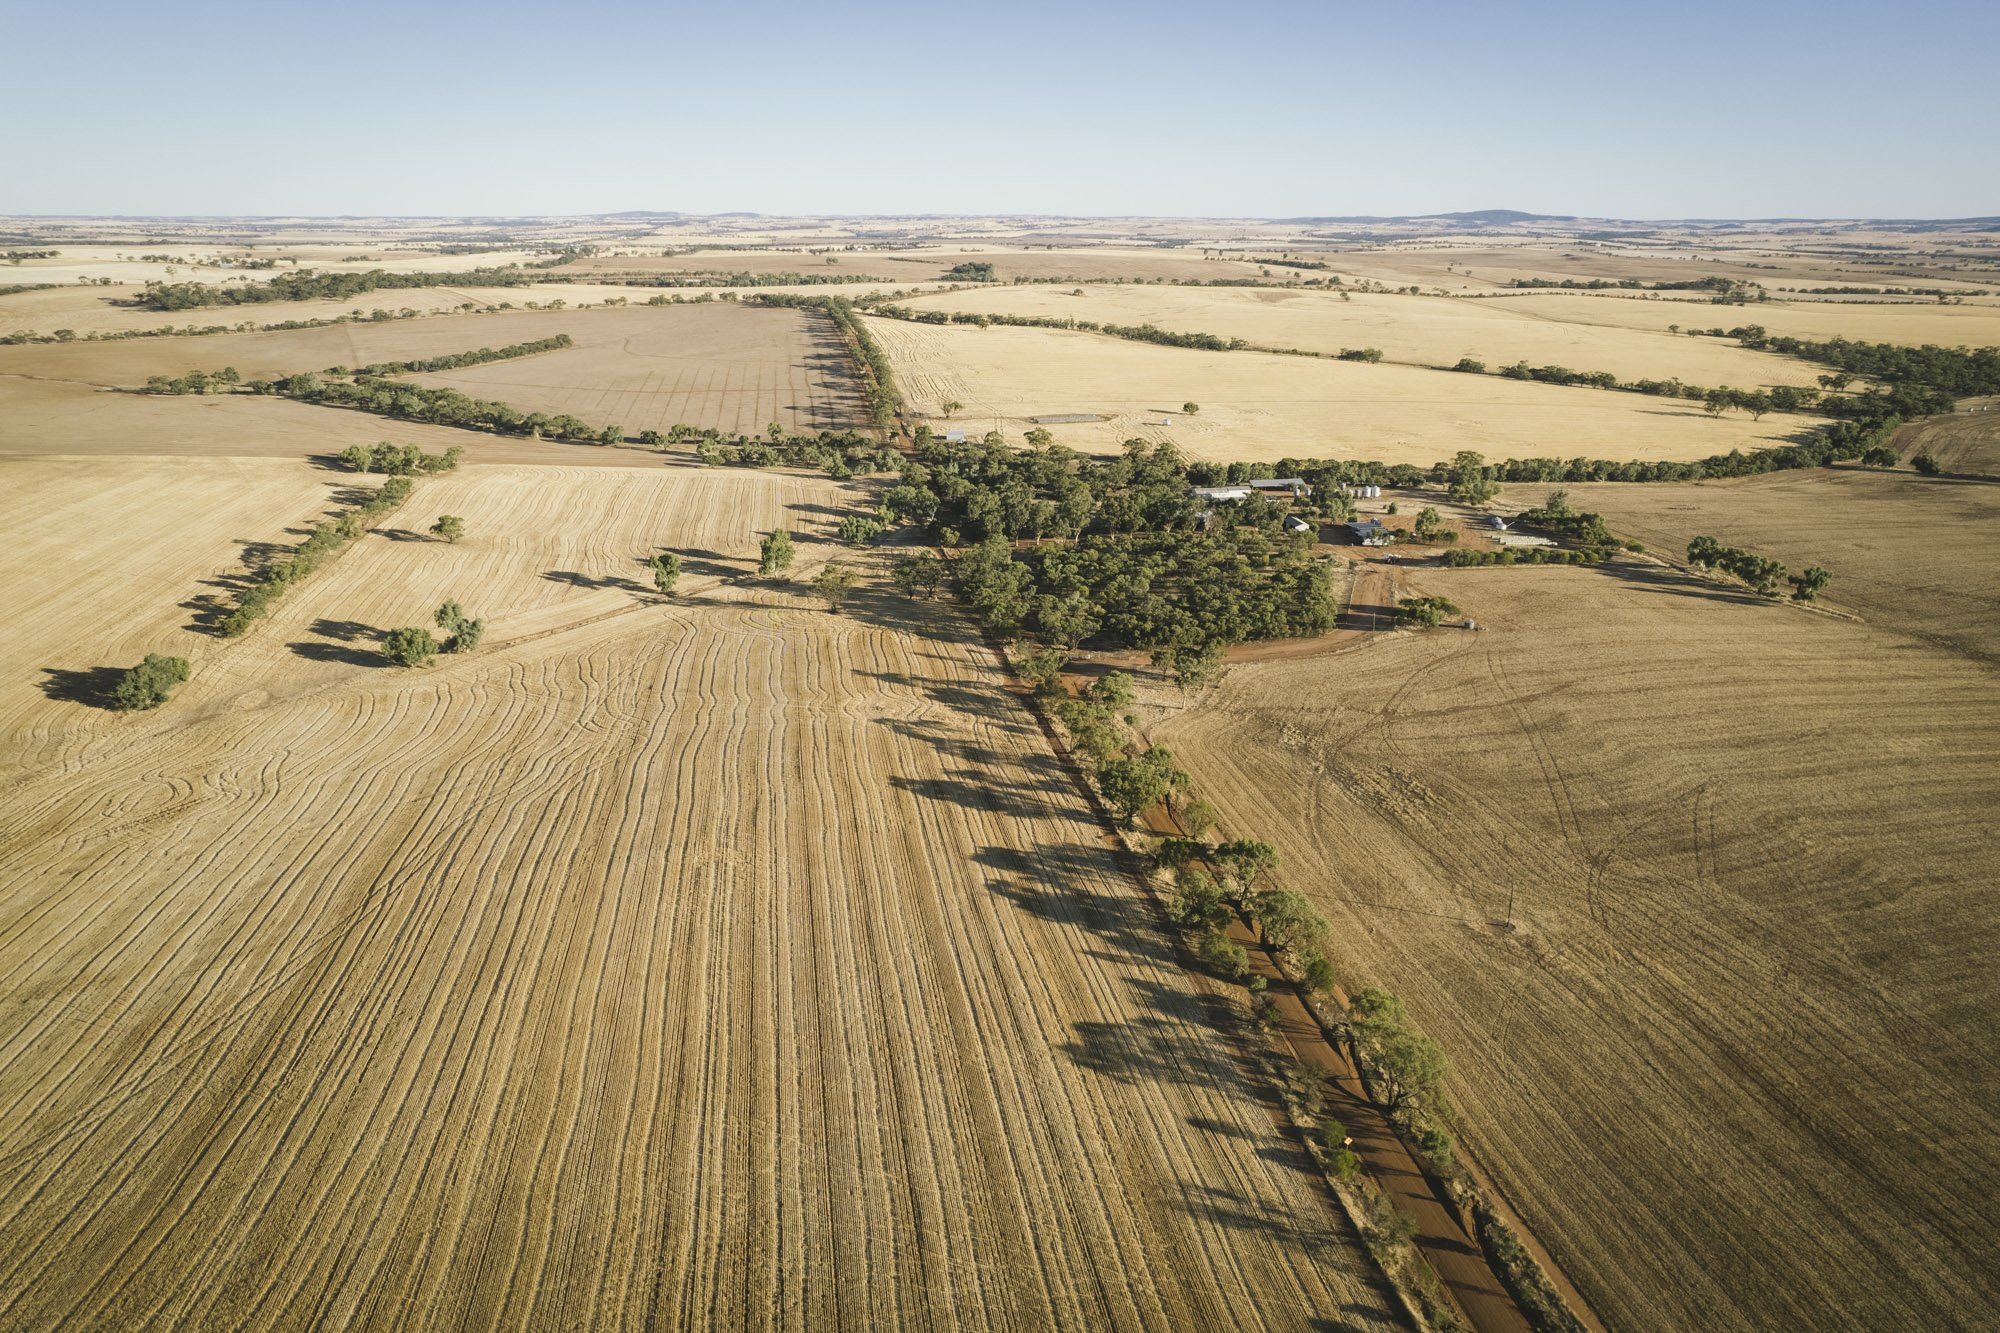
pixel 1369 532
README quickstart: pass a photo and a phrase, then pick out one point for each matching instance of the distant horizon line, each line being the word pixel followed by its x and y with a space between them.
pixel 1491 216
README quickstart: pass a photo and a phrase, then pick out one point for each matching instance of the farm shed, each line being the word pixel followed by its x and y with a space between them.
pixel 1369 532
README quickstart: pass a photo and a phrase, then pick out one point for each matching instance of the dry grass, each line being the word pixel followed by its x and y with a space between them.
pixel 721 963
pixel 1256 406
pixel 1693 888
pixel 929 264
pixel 87 310
pixel 102 555
pixel 1907 553
pixel 1429 330
pixel 45 417
pixel 1966 441
pixel 1974 324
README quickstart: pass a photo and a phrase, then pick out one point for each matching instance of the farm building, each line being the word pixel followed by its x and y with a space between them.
pixel 1293 523
pixel 1216 495
pixel 1369 532
pixel 1293 486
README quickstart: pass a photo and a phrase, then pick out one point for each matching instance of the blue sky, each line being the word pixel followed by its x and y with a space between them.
pixel 1094 107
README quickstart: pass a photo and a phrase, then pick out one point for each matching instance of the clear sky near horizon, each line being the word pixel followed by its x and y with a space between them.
pixel 1264 108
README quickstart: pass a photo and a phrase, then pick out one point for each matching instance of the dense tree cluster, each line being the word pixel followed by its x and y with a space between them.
pixel 311 285
pixel 972 270
pixel 1760 572
pixel 1466 557
pixel 1132 563
pixel 399 460
pixel 148 684
pixel 1557 515
pixel 195 381
pixel 1956 372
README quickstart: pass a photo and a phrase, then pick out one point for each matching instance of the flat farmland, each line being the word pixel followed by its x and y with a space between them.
pixel 1695 890
pixel 1907 553
pixel 734 368
pixel 928 263
pixel 1257 406
pixel 52 417
pixel 709 963
pixel 103 553
pixel 86 310
pixel 1434 331
pixel 1773 262
pixel 1974 324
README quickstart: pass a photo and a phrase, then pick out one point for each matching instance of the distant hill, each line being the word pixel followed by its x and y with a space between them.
pixel 1485 217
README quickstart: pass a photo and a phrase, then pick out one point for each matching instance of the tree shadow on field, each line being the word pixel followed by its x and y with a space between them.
pixel 578 580
pixel 94 687
pixel 1665 581
pixel 320 650
pixel 707 564
pixel 347 631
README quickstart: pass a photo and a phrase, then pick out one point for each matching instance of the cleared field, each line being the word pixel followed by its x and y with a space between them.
pixel 1472 264
pixel 1908 553
pixel 102 555
pixel 1966 441
pixel 928 264
pixel 1974 324
pixel 1695 892
pixel 87 310
pixel 734 368
pixel 721 963
pixel 1432 330
pixel 53 417
pixel 1256 406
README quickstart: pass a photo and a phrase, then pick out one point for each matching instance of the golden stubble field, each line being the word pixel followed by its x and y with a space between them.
pixel 714 963
pixel 1256 406
pixel 715 364
pixel 1973 324
pixel 1696 892
pixel 1434 331
pixel 1908 553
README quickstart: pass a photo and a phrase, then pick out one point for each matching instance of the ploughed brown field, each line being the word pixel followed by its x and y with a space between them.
pixel 714 962
pixel 1696 891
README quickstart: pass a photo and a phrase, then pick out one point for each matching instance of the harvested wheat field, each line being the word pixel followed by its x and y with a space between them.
pixel 1256 406
pixel 736 368
pixel 709 963
pixel 1966 441
pixel 1433 331
pixel 56 417
pixel 1908 553
pixel 1974 324
pixel 1696 891
pixel 103 555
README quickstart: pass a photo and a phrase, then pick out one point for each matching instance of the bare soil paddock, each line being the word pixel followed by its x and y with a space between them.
pixel 721 963
pixel 1696 891
pixel 734 368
